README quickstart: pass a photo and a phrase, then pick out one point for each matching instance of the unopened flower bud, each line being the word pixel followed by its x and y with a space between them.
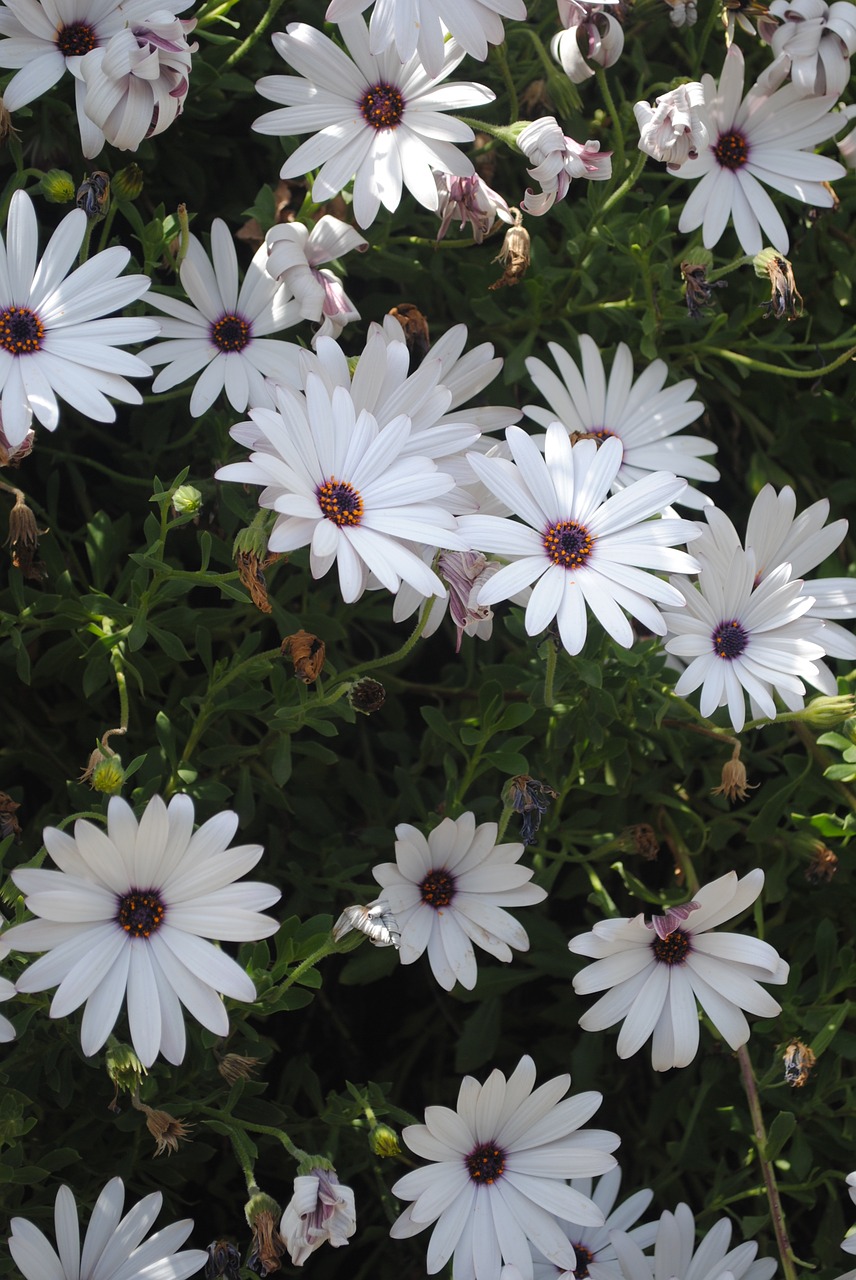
pixel 104 773
pixel 93 195
pixel 128 182
pixel 187 500
pixel 734 785
pixel 826 711
pixel 367 695
pixel 384 1141
pixel 57 186
pixel 124 1067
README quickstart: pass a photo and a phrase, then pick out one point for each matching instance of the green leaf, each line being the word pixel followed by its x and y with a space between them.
pixel 779 1133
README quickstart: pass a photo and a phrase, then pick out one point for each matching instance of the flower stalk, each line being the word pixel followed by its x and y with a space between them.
pixel 750 1086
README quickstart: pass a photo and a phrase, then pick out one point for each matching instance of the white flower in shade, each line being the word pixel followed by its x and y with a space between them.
pixel 321 1211
pixel 45 40
pixel 579 547
pixel 379 122
pixel 595 1255
pixel 136 82
pixel 295 258
pixel 674 129
pixel 762 138
pixel 497 1178
pixel 741 636
pixel 464 573
pixel 54 337
pixel 473 202
pixel 849 1245
pixel 419 26
pixel 557 159
pixel 776 536
pixel 127 915
pixel 591 34
pixel 677 1256
pixel 814 44
pixel 224 333
pixel 114 1247
pixel 347 488
pixel 375 920
pixel 654 972
pixel 644 415
pixel 7 991
pixel 450 891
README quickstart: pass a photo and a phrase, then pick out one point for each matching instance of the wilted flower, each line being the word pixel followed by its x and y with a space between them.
pixel 643 841
pixel 93 195
pixel 13 456
pixel 471 200
pixel 267 1246
pixel 531 799
pixel 24 534
pixel 251 572
pixel 557 160
pixel 734 785
pixel 307 652
pixel 164 1128
pixel 465 573
pixel 9 824
pixel 799 1060
pixel 514 256
pixel 823 865
pixel 224 1260
pixel 813 45
pixel 376 921
pixel 295 255
pixel 320 1211
pixel 674 129
pixel 741 13
pixel 786 299
pixel 698 288
pixel 591 33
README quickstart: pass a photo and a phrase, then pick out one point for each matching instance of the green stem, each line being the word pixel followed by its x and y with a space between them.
pixel 620 192
pixel 500 131
pixel 776 1212
pixel 550 671
pixel 505 818
pixel 743 261
pixel 87 236
pixel 613 112
pixel 256 34
pixel 327 948
pixel 108 226
pixel 500 57
pixel 410 643
pixel 748 363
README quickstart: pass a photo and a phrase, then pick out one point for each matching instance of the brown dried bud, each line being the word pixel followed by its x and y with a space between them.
pixel 734 785
pixel 699 288
pixel 267 1245
pixel 93 195
pixel 164 1128
pixel 644 840
pixel 251 572
pixel 799 1060
pixel 514 254
pixel 367 696
pixel 234 1067
pixel 6 126
pixel 307 653
pixel 23 537
pixel 822 867
pixel 416 335
pixel 785 297
pixel 9 825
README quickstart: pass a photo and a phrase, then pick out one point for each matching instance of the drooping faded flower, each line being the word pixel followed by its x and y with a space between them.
pixel 113 1247
pixel 760 139
pixel 591 34
pixel 126 919
pixel 379 122
pixel 295 259
pixel 677 1254
pixel 813 44
pixel 653 972
pixel 471 201
pixel 450 890
pixel 321 1211
pixel 496 1184
pixel 556 160
pixel 674 129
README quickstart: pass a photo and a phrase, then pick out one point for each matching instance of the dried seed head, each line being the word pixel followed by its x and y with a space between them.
pixel 23 538
pixel 165 1129
pixel 734 785
pixel 367 695
pixel 234 1067
pixel 514 254
pixel 785 297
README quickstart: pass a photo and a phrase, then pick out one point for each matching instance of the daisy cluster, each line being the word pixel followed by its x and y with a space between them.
pixel 584 507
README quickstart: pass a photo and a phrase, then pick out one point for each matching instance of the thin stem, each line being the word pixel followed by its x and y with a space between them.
pixel 327 948
pixel 613 112
pixel 620 192
pixel 256 34
pixel 747 362
pixel 500 57
pixel 500 131
pixel 410 643
pixel 550 671
pixel 776 1212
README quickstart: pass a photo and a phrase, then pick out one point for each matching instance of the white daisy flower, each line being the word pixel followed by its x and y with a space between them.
pixel 295 258
pixel 497 1178
pixel 578 546
pixel 741 636
pixel 113 1247
pixel 129 911
pixel 45 40
pixel 53 337
pixel 677 1255
pixel 777 536
pixel 320 1211
pixel 420 26
pixel 596 1258
pixel 674 129
pixel 645 416
pixel 654 972
pixel 223 333
pixel 137 81
pixel 849 1244
pixel 7 991
pixel 813 44
pixel 346 488
pixel 379 122
pixel 762 138
pixel 558 159
pixel 450 891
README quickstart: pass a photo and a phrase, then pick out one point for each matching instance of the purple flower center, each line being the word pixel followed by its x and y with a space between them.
pixel 730 639
pixel 75 39
pixel 438 890
pixel 568 544
pixel 231 332
pixel 485 1163
pixel 382 106
pixel 584 1258
pixel 731 150
pixel 340 502
pixel 21 331
pixel 673 949
pixel 141 914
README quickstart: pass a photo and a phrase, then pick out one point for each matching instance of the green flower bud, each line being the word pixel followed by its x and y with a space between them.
pixel 825 712
pixel 261 1203
pixel 187 500
pixel 57 187
pixel 124 1067
pixel 384 1141
pixel 107 776
pixel 128 182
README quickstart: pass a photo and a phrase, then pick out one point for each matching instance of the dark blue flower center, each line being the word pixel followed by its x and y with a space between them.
pixel 382 106
pixel 730 639
pixel 438 889
pixel 568 544
pixel 141 914
pixel 21 331
pixel 486 1163
pixel 75 39
pixel 673 949
pixel 731 150
pixel 231 332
